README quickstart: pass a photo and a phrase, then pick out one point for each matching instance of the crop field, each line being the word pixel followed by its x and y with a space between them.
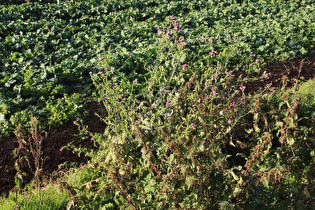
pixel 144 104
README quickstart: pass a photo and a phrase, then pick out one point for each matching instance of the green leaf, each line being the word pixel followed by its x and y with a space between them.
pixel 291 123
pixel 305 195
pixel 294 190
pixel 279 124
pixel 237 191
pixel 257 129
pixel 249 131
pixel 234 176
pixel 18 181
pixel 265 182
pixel 183 58
pixel 2 118
pixel 303 51
pixel 238 167
pixel 14 152
pixel 189 181
pixel 202 147
pixel 291 141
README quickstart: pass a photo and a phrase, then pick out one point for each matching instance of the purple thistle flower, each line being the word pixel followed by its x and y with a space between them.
pixel 194 126
pixel 229 121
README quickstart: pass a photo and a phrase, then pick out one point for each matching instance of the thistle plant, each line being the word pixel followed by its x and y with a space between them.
pixel 184 133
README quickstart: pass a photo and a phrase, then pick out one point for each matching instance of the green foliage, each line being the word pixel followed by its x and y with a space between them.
pixel 51 198
pixel 64 109
pixel 307 92
pixel 49 47
pixel 180 132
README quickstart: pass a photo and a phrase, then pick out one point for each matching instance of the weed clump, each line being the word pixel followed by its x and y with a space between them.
pixel 189 135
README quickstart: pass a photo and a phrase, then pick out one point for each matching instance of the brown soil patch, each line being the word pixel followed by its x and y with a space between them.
pixel 291 71
pixel 294 69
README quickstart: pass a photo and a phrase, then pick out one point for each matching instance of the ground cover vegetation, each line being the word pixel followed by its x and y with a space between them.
pixel 184 124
